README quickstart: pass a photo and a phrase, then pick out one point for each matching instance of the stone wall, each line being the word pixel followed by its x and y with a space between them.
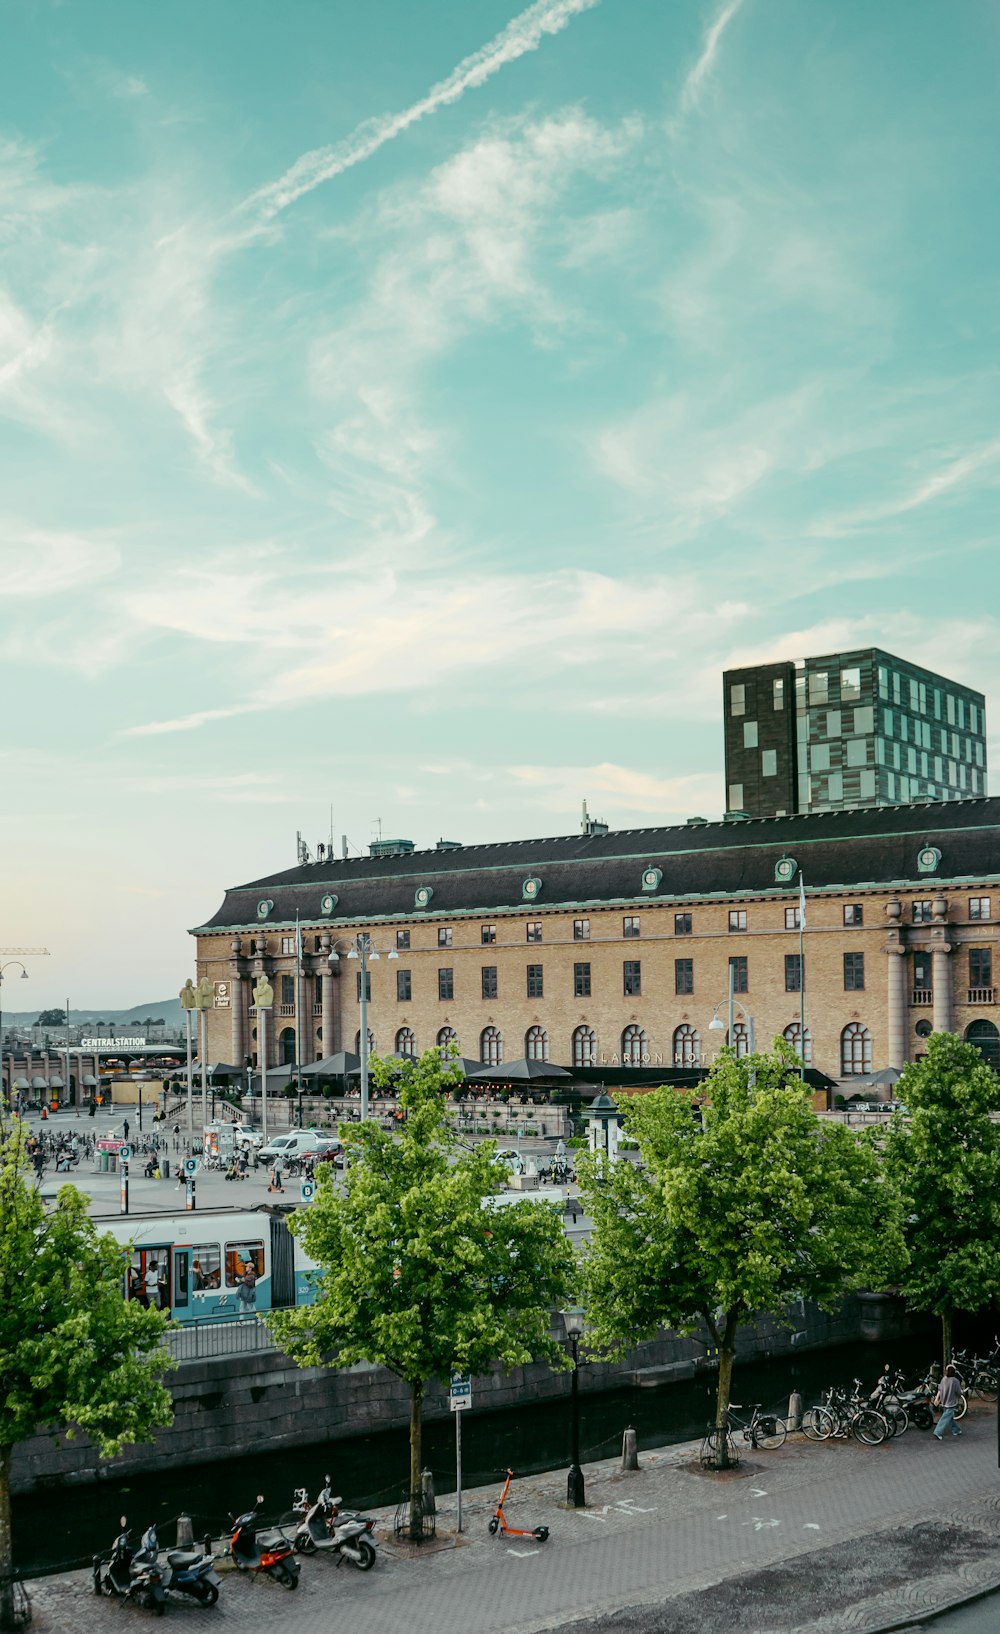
pixel 238 1405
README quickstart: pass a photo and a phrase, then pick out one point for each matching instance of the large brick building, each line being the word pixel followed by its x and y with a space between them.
pixel 615 948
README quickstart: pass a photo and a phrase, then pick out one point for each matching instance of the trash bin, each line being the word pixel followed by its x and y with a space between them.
pixel 112 1162
pixel 104 1156
pixel 164 1168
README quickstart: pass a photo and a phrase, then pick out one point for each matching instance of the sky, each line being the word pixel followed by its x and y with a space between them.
pixel 408 409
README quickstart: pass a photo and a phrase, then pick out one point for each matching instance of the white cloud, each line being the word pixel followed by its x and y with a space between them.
pixel 36 562
pixel 697 77
pixel 955 473
pixel 625 789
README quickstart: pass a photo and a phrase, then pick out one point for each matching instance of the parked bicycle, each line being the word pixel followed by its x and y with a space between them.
pixel 839 1415
pixel 761 1429
pixel 977 1375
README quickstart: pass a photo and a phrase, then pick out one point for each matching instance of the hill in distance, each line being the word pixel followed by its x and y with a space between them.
pixel 168 1010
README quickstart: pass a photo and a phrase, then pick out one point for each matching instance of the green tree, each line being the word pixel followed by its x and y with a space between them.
pixel 74 1353
pixel 734 1212
pixel 419 1274
pixel 51 1018
pixel 945 1159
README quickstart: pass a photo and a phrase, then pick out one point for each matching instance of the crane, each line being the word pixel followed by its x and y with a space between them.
pixel 23 950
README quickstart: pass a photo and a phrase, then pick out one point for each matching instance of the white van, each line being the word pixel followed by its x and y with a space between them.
pixel 298 1143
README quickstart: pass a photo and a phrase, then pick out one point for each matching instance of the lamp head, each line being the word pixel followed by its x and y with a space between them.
pixel 393 954
pixel 716 1025
pixel 333 957
pixel 373 955
pixel 575 1322
pixel 24 974
pixel 352 953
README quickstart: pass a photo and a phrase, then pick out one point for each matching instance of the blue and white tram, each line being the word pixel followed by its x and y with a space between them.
pixel 193 1264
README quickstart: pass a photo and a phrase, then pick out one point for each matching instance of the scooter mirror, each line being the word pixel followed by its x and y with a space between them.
pixel 260 1497
pixel 123 1521
pixel 328 1479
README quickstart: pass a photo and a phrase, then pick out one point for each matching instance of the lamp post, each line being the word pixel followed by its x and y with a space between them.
pixel 362 947
pixel 576 1497
pixel 24 978
pixel 263 998
pixel 189 1002
pixel 717 1025
pixel 204 1001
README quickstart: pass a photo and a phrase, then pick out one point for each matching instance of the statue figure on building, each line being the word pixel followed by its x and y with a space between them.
pixel 188 996
pixel 263 994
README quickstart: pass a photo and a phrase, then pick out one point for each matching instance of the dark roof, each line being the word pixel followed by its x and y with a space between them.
pixel 875 846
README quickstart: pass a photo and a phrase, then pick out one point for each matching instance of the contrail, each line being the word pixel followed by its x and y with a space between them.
pixel 524 33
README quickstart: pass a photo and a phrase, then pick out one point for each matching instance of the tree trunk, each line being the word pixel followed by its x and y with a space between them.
pixel 6 1543
pixel 416 1484
pixel 945 1339
pixel 727 1351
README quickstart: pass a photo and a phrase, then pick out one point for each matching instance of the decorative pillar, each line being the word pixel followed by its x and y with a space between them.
pixel 326 996
pixel 897 1006
pixel 238 1045
pixel 944 1021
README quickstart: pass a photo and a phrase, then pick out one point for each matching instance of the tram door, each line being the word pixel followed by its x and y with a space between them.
pixel 182 1279
pixel 149 1277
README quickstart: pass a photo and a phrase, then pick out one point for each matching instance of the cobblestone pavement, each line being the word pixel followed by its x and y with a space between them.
pixel 829 1537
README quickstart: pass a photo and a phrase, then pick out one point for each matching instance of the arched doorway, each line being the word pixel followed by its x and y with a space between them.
pixel 286 1045
pixel 984 1035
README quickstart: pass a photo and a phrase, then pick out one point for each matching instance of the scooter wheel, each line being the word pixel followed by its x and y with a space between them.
pixel 367 1556
pixel 209 1594
pixel 541 1533
pixel 305 1545
pixel 494 1527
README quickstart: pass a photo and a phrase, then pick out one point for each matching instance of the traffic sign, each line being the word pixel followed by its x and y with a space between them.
pixel 191 1165
pixel 308 1191
pixel 125 1152
pixel 460 1393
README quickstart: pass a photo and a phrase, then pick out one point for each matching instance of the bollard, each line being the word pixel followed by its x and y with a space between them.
pixel 427 1489
pixel 794 1411
pixel 630 1450
pixel 185 1532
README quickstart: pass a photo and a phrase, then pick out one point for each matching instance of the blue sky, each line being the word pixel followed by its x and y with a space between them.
pixel 411 407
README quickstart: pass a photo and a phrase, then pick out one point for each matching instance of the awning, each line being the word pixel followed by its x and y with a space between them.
pixel 88 1080
pixel 39 1083
pixel 56 1083
pixel 20 1083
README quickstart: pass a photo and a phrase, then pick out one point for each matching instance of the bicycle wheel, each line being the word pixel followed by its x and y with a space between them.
pixel 963 1407
pixel 770 1431
pixel 987 1385
pixel 869 1427
pixel 899 1419
pixel 818 1423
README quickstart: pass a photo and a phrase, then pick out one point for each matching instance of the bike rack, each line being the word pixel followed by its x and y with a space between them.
pixel 415 1523
pixel 710 1450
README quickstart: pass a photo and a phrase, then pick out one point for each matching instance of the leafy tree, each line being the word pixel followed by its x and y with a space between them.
pixel 946 1162
pixel 51 1018
pixel 73 1351
pixel 752 1205
pixel 417 1275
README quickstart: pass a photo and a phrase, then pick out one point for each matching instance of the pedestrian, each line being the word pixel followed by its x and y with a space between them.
pixel 276 1176
pixel 152 1280
pixel 949 1396
pixel 248 1286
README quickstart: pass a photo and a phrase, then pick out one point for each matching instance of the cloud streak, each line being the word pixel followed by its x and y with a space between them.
pixel 692 88
pixel 523 33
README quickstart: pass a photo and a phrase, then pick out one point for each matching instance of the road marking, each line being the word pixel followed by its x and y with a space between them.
pixel 810 1526
pixel 759 1524
pixel 591 1515
pixel 757 1492
pixel 628 1506
pixel 522 1554
pixel 722 1517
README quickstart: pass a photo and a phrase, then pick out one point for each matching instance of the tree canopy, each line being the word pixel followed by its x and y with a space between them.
pixel 74 1353
pixel 51 1018
pixel 945 1159
pixel 736 1210
pixel 421 1271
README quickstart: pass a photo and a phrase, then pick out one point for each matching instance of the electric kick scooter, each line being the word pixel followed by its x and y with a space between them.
pixel 498 1522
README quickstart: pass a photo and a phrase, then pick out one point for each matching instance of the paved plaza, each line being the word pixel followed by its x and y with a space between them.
pixel 824 1537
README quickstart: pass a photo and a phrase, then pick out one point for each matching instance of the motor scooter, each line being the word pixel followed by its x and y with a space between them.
pixel 268 1551
pixel 119 1575
pixel 344 1533
pixel 187 1571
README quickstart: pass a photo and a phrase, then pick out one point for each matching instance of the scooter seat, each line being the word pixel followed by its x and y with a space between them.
pixel 184 1557
pixel 271 1540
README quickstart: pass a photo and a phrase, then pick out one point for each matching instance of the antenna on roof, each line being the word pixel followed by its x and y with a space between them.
pixel 302 850
pixel 590 825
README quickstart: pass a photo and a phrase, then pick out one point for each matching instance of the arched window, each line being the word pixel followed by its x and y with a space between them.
pixel 406 1043
pixel 491 1046
pixel 986 1039
pixel 536 1044
pixel 687 1046
pixel 286 1046
pixel 793 1033
pixel 855 1049
pixel 740 1039
pixel 371 1042
pixel 635 1047
pixel 446 1036
pixel 585 1047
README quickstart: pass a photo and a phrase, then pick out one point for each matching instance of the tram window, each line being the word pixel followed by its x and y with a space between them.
pixel 181 1279
pixel 238 1257
pixel 206 1267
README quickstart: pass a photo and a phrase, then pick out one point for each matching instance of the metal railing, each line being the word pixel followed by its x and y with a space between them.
pixel 231 1336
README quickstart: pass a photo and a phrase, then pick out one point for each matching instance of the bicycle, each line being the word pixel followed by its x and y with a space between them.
pixel 765 1430
pixel 976 1374
pixel 838 1416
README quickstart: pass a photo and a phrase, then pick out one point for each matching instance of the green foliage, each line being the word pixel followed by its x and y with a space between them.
pixel 51 1018
pixel 945 1160
pixel 740 1210
pixel 74 1354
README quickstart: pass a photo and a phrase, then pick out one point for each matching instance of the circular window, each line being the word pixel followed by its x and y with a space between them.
pixel 924 1029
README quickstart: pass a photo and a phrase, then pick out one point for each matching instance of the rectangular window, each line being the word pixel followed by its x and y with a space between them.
pixel 581 930
pixel 533 931
pixel 833 723
pixel 793 973
pixel 288 989
pixel 921 913
pixel 897 691
pixel 819 757
pixel 883 682
pixel 239 1257
pixel 854 972
pixel 741 977
pixel 778 694
pixel 682 924
pixel 737 700
pixel 850 684
pixel 887 719
pixel 402 938
pixel 769 763
pixel 818 687
pixel 444 936
pixel 446 983
pixel 835 786
pixel 854 913
pixel 317 991
pixel 487 934
pixel 866 786
pixel 857 752
pixel 317 944
pixel 368 986
pixel 206 1267
pixel 735 796
pixel 980 967
pixel 288 944
pixel 979 907
pixel 489 981
pixel 630 927
pixel 404 987
pixel 737 919
pixel 950 709
pixel 914 698
pixel 922 971
pixel 535 985
pixel 631 977
pixel 791 918
pixel 581 981
pixel 683 975
pixel 749 734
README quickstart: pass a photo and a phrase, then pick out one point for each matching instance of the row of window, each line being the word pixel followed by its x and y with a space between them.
pixel 739 964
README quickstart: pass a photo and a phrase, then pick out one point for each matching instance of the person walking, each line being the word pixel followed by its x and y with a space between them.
pixel 276 1176
pixel 948 1398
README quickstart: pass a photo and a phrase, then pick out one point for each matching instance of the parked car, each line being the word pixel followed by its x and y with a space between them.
pixel 298 1143
pixel 244 1134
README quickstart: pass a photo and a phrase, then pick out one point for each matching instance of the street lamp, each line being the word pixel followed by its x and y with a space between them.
pixel 24 978
pixel 576 1497
pixel 363 948
pixel 717 1025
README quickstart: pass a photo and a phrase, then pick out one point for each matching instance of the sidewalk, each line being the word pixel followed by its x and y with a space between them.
pixel 827 1537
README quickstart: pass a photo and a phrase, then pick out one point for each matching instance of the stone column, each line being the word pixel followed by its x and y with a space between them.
pixel 895 948
pixel 326 996
pixel 944 1021
pixel 238 1037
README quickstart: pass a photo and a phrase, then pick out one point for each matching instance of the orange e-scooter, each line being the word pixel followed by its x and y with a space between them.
pixel 498 1521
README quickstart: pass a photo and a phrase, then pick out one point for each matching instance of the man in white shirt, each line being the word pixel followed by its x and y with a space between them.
pixel 152 1285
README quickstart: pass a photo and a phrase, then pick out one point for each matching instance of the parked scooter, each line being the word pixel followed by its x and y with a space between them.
pixel 119 1575
pixel 187 1571
pixel 268 1552
pixel 325 1526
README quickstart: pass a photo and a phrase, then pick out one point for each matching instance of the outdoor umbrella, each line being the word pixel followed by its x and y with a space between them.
pixel 333 1066
pixel 520 1071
